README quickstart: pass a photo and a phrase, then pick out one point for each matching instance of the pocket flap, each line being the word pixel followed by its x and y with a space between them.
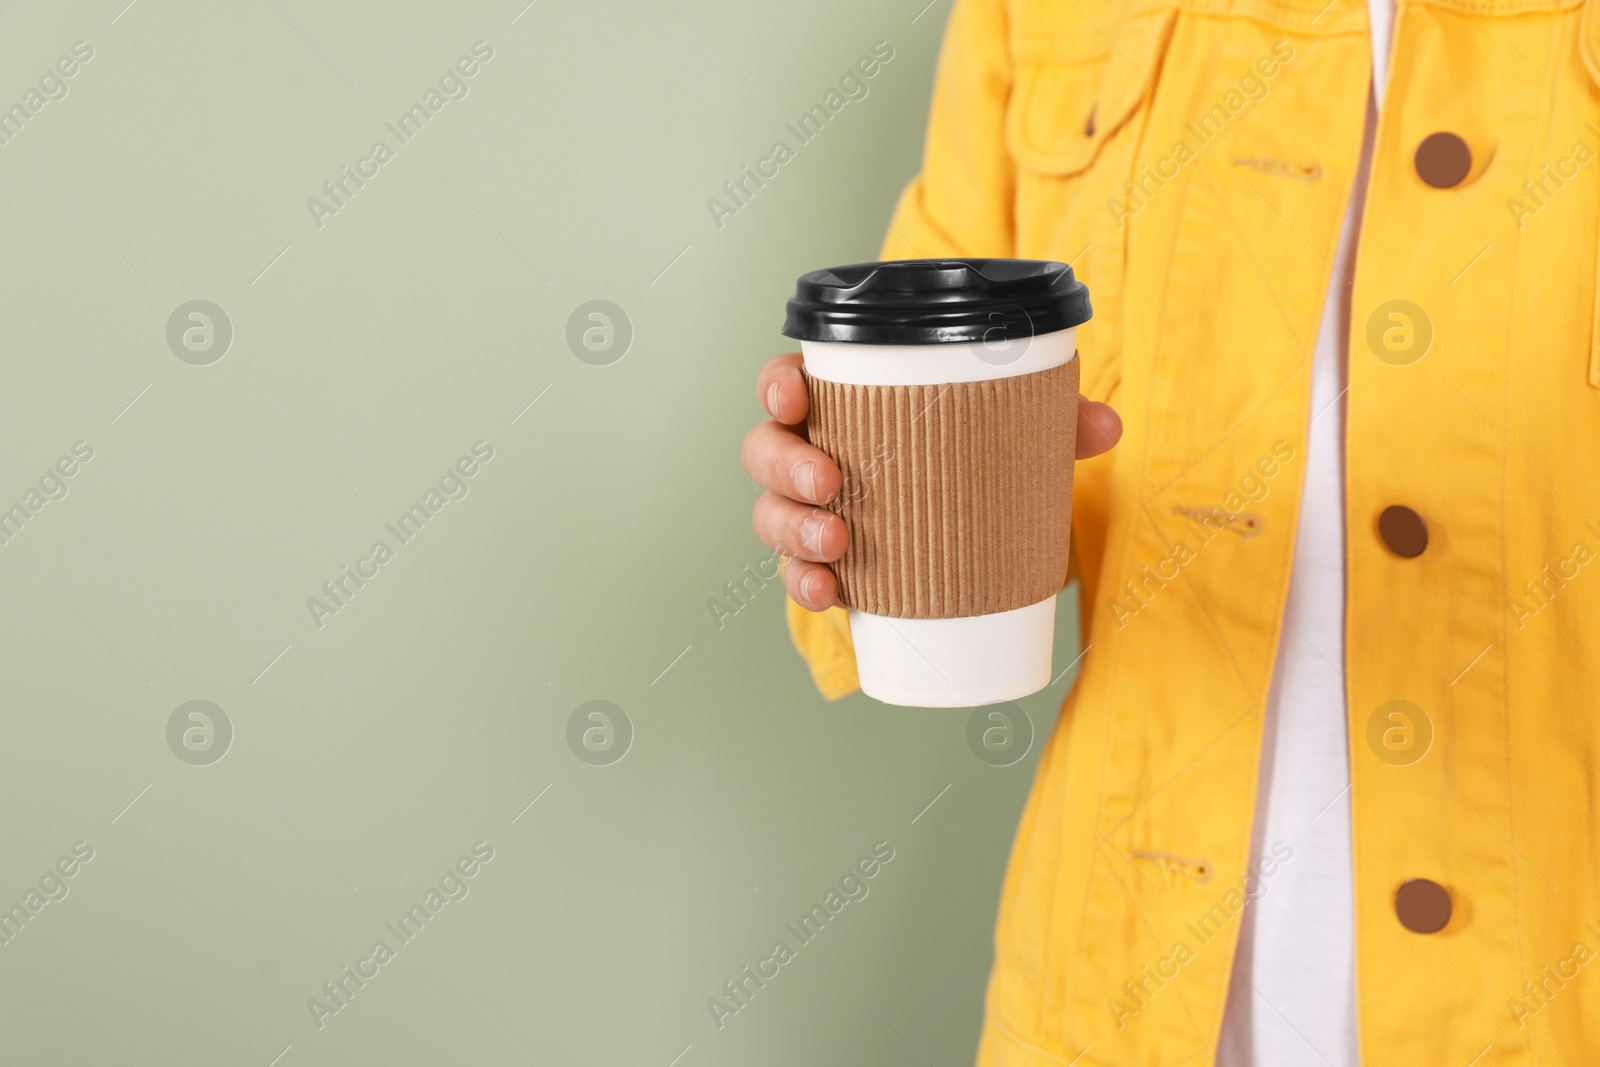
pixel 1063 110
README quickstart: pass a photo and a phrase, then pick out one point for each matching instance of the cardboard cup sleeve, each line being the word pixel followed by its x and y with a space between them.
pixel 958 496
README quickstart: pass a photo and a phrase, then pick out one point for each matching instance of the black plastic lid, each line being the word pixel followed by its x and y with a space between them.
pixel 936 301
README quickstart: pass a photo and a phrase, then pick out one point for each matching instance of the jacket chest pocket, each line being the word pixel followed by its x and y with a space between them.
pixel 1073 126
pixel 1068 103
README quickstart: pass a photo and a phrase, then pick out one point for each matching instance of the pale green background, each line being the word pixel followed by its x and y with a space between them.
pixel 372 354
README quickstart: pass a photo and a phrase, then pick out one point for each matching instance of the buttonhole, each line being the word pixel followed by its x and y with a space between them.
pixel 1281 168
pixel 1244 523
pixel 1173 866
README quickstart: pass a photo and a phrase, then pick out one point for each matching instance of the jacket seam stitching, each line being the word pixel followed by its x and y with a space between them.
pixel 1070 994
pixel 1505 659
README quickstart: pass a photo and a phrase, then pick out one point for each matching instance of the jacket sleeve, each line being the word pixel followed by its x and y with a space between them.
pixel 960 205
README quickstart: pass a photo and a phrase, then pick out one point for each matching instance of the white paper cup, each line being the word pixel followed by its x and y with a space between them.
pixel 959 662
pixel 946 390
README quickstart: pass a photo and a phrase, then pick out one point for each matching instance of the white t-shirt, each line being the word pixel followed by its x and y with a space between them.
pixel 1292 999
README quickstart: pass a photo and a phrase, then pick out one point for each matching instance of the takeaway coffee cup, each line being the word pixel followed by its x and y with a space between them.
pixel 947 390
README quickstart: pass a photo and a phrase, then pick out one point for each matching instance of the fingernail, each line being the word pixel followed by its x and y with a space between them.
pixel 809 588
pixel 805 481
pixel 811 533
pixel 772 399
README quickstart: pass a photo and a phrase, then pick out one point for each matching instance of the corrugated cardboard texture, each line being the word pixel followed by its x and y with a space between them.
pixel 958 497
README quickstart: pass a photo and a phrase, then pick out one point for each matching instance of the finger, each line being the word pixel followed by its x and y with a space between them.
pixel 782 389
pixel 799 531
pixel 811 585
pixel 1099 428
pixel 779 460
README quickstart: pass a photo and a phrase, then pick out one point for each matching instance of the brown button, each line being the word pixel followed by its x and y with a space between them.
pixel 1423 907
pixel 1403 531
pixel 1443 159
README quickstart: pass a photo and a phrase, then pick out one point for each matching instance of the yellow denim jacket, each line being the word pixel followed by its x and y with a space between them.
pixel 1193 159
